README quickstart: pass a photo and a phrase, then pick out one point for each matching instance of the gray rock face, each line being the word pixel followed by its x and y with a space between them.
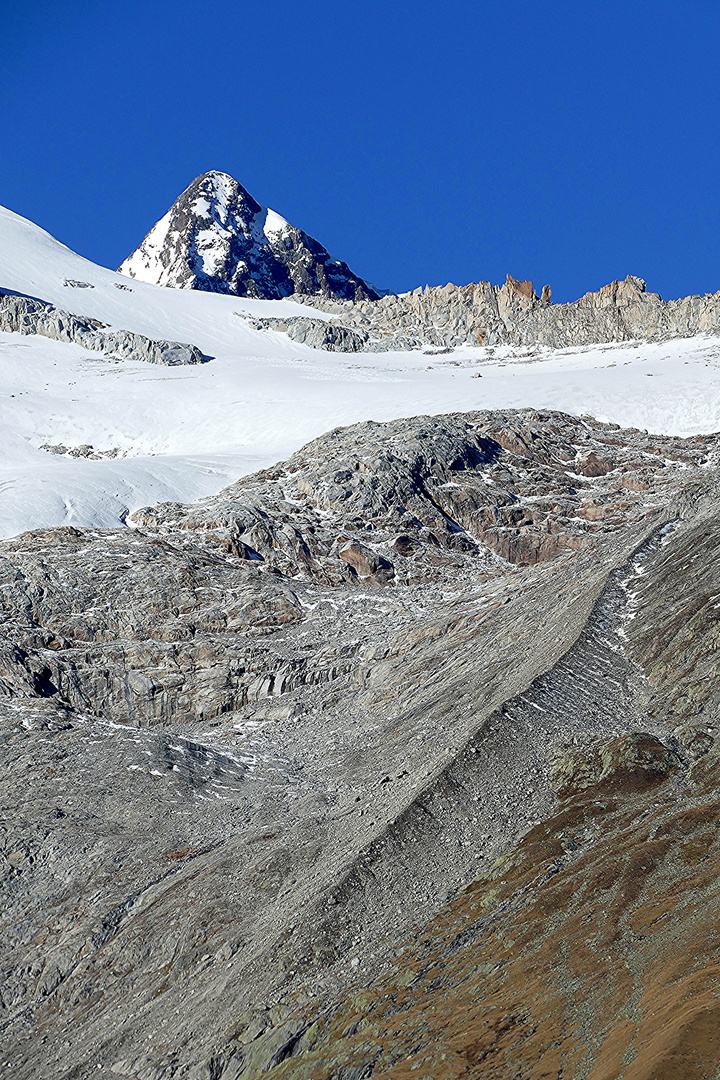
pixel 23 315
pixel 216 237
pixel 85 450
pixel 524 486
pixel 317 333
pixel 512 314
pixel 239 735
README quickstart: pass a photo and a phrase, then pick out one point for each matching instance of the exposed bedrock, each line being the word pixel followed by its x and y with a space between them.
pixel 431 495
pixel 317 333
pixel 587 949
pixel 25 315
pixel 250 747
pixel 510 314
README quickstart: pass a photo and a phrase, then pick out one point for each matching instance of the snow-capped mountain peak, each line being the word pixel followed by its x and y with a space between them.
pixel 218 238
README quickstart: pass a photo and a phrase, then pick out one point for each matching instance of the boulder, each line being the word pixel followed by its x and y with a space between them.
pixel 636 758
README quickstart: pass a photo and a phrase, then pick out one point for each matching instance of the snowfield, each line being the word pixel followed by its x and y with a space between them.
pixel 180 433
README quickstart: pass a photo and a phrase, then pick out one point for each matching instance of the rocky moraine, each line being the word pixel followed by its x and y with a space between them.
pixel 389 760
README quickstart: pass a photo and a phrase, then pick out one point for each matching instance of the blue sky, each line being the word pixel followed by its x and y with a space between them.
pixel 570 143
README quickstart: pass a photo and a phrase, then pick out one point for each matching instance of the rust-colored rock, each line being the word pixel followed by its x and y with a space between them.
pixel 634 482
pixel 591 512
pixel 521 288
pixel 593 464
pixel 366 563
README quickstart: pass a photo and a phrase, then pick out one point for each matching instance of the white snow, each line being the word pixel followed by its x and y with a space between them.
pixel 274 223
pixel 222 185
pixel 186 432
pixel 212 247
pixel 143 261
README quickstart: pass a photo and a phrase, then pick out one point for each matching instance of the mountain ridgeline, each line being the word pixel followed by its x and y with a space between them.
pixel 396 759
pixel 217 238
pixel 510 314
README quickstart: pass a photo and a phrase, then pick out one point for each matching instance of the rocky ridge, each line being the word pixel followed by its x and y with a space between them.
pixel 239 735
pixel 217 238
pixel 26 315
pixel 510 314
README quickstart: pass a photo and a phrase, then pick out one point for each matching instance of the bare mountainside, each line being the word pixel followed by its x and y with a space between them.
pixel 316 776
pixel 217 238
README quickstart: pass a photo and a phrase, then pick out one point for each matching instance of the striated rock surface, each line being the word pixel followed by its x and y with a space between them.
pixel 317 333
pixel 588 951
pixel 216 237
pixel 512 314
pixel 24 315
pixel 434 492
pixel 259 757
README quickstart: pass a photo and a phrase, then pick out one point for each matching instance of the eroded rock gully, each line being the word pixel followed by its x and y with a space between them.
pixel 255 748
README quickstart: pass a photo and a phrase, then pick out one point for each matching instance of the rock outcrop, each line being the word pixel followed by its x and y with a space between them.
pixel 260 756
pixel 25 315
pixel 512 314
pixel 317 333
pixel 523 486
pixel 216 237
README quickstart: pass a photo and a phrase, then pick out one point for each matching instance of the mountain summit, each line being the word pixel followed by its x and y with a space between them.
pixel 217 238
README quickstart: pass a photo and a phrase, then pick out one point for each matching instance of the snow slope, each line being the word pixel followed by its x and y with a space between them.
pixel 185 432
